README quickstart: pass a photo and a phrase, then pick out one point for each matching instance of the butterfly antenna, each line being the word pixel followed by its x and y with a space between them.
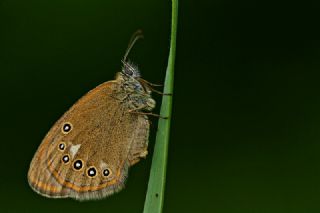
pixel 136 36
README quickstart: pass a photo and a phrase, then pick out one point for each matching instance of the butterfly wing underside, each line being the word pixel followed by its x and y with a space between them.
pixel 87 153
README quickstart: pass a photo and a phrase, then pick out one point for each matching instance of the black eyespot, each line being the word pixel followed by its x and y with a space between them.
pixel 66 127
pixel 62 146
pixel 65 158
pixel 77 164
pixel 92 172
pixel 106 172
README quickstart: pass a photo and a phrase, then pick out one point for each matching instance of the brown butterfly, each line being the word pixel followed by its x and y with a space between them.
pixel 88 151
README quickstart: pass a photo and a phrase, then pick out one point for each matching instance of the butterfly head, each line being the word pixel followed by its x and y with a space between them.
pixel 130 70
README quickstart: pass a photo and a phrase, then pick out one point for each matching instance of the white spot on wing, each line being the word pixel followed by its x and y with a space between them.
pixel 103 164
pixel 74 149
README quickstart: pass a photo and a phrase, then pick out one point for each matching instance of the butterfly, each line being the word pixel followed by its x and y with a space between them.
pixel 88 151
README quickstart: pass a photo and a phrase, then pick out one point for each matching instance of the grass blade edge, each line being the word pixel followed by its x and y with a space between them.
pixel 157 179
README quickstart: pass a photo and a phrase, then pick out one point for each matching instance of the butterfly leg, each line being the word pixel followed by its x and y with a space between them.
pixel 148 83
pixel 149 87
pixel 148 113
pixel 140 102
pixel 158 92
pixel 136 111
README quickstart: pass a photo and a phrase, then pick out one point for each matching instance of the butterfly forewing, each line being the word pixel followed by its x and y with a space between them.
pixel 86 154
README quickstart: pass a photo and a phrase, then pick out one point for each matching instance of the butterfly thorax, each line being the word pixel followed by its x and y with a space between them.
pixel 134 94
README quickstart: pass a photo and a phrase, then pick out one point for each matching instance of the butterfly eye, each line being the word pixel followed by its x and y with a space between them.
pixel 77 164
pixel 66 128
pixel 91 172
pixel 66 158
pixel 129 72
pixel 62 146
pixel 106 172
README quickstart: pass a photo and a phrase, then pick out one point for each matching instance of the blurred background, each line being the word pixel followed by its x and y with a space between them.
pixel 246 118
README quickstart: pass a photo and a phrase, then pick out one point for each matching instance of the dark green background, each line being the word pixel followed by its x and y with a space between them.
pixel 246 116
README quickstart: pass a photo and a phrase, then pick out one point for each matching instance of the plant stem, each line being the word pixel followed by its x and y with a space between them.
pixel 156 185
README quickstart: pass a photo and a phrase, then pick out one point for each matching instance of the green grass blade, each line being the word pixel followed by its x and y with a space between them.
pixel 157 179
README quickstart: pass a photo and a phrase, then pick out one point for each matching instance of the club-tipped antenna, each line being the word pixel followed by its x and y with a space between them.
pixel 136 36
